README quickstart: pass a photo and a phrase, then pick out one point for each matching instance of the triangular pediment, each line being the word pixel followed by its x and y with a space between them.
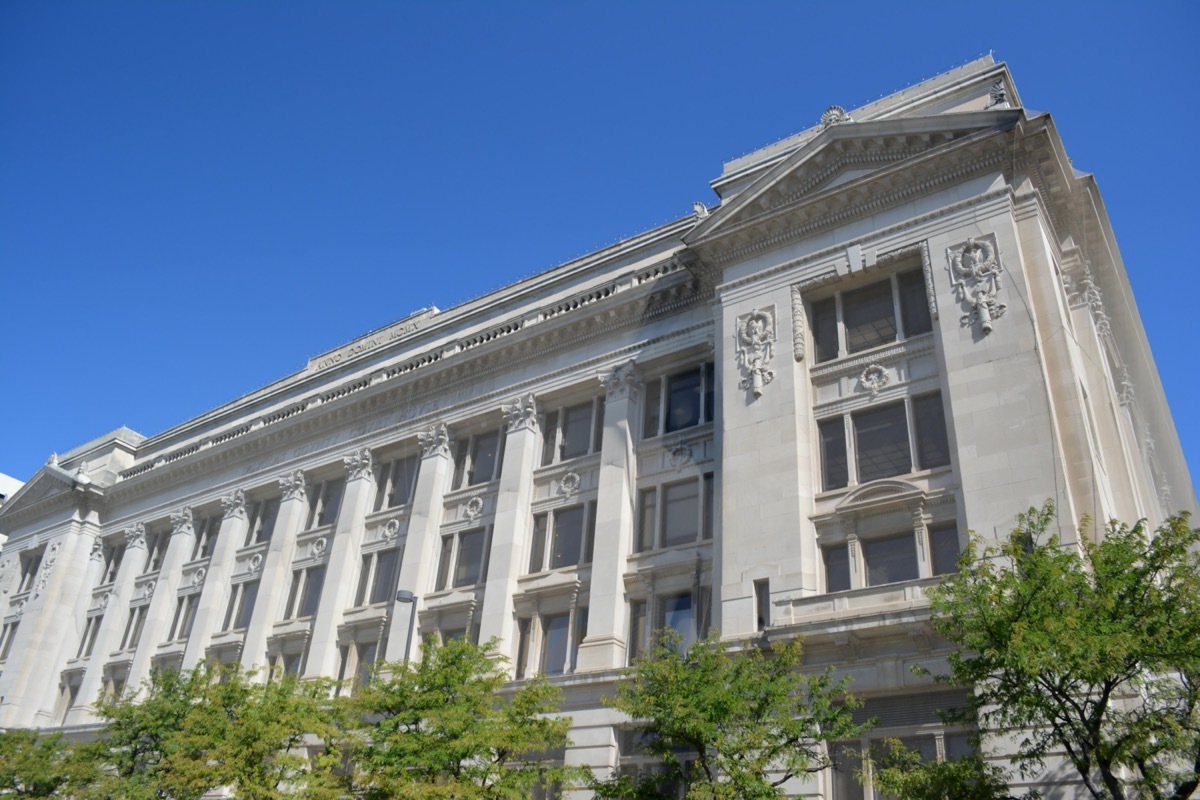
pixel 846 157
pixel 48 482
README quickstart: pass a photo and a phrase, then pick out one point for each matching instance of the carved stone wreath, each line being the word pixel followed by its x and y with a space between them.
pixel 256 561
pixel 568 484
pixel 473 508
pixel 679 456
pixel 148 589
pixel 391 530
pixel 319 546
pixel 198 576
pixel 873 379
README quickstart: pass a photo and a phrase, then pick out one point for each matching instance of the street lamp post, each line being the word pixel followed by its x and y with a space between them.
pixel 410 600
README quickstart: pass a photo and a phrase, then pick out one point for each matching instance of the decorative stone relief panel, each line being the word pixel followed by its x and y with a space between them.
pixel 798 329
pixel 435 441
pixel 679 456
pixel 873 379
pixel 521 414
pixel 390 530
pixel 568 485
pixel 183 521
pixel 293 485
pixel 234 504
pixel 622 382
pixel 755 340
pixel 975 272
pixel 47 569
pixel 473 509
pixel 135 537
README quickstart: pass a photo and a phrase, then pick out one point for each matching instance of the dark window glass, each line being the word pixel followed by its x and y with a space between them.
pixel 470 558
pixel 485 457
pixel 537 553
pixel 708 506
pixel 653 401
pixel 568 537
pixel 677 613
pixel 404 479
pixel 364 580
pixel 549 434
pixel 943 546
pixel 246 607
pixel 681 513
pixel 460 462
pixel 914 305
pixel 331 501
pixel 869 316
pixel 834 470
pixel 581 621
pixel 637 628
pixel 522 647
pixel 710 381
pixel 825 330
pixel 683 400
pixel 297 579
pixel 589 541
pixel 881 437
pixel 930 421
pixel 554 644
pixel 762 603
pixel 576 431
pixel 312 591
pixel 837 568
pixel 387 565
pixel 366 660
pixel 598 428
pixel 444 562
pixel 890 560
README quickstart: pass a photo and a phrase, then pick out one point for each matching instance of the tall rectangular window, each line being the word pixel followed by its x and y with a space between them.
pixel 377 579
pixel 563 538
pixel 869 316
pixel 677 611
pixel 206 530
pixel 881 442
pixel 305 594
pixel 463 559
pixel 7 634
pixel 573 431
pixel 835 470
pixel 890 560
pixel 324 502
pixel 133 627
pixel 185 616
pixel 113 554
pixel 555 631
pixel 241 605
pixel 678 401
pixel 637 629
pixel 837 568
pixel 29 568
pixel 262 521
pixel 88 642
pixel 943 548
pixel 681 513
pixel 930 422
pixel 914 304
pixel 478 458
pixel 762 603
pixel 156 550
pixel 396 482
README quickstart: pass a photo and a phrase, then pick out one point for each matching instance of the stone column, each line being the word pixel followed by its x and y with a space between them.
pixel 215 594
pixel 276 571
pixel 166 589
pixel 604 647
pixel 342 565
pixel 113 625
pixel 421 544
pixel 512 525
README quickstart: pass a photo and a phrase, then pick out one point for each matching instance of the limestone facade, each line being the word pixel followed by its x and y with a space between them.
pixel 779 415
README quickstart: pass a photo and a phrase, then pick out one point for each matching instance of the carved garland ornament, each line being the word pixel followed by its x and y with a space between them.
pixel 755 342
pixel 521 414
pixel 873 379
pixel 679 456
pixel 473 508
pixel 975 274
pixel 435 441
pixel 391 530
pixel 568 484
pixel 797 323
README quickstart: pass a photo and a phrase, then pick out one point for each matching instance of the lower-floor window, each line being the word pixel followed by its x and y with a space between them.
pixel 377 579
pixel 241 605
pixel 891 558
pixel 185 615
pixel 7 635
pixel 305 594
pixel 685 612
pixel 549 643
pixel 133 628
pixel 463 560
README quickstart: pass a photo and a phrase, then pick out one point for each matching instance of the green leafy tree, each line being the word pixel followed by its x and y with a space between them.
pixel 443 728
pixel 747 721
pixel 127 760
pixel 1091 650
pixel 33 764
pixel 247 736
pixel 900 772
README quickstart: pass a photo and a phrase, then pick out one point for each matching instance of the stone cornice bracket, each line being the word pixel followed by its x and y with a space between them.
pixel 798 329
pixel 521 414
pixel 623 382
pixel 975 273
pixel 359 465
pixel 183 521
pixel 135 537
pixel 435 441
pixel 293 485
pixel 755 342
pixel 234 504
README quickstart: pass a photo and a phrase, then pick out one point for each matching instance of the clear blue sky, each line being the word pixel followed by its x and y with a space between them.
pixel 196 197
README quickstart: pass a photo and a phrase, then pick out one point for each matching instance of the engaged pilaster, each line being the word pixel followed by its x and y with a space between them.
pixel 183 538
pixel 215 593
pixel 604 647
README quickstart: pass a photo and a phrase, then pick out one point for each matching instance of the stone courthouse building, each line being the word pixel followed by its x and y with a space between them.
pixel 776 416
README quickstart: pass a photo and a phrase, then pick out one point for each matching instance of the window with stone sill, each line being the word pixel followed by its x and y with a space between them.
pixel 156 550
pixel 673 514
pixel 356 665
pixel 206 529
pixel 112 553
pixel 478 458
pixel 304 596
pixel 185 616
pixel 377 577
pixel 88 641
pixel 324 502
pixel 563 537
pixel 548 644
pixel 262 520
pixel 682 399
pixel 859 319
pixel 464 559
pixel 886 441
pixel 30 563
pixel 892 558
pixel 395 482
pixel 634 762
pixel 133 627
pixel 572 431
pixel 686 612
pixel 7 634
pixel 241 606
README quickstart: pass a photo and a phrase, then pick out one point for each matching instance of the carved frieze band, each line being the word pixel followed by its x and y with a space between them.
pixel 622 382
pixel 521 414
pixel 975 273
pixel 755 341
pixel 293 485
pixel 797 322
pixel 358 465
pixel 435 441
pixel 234 504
